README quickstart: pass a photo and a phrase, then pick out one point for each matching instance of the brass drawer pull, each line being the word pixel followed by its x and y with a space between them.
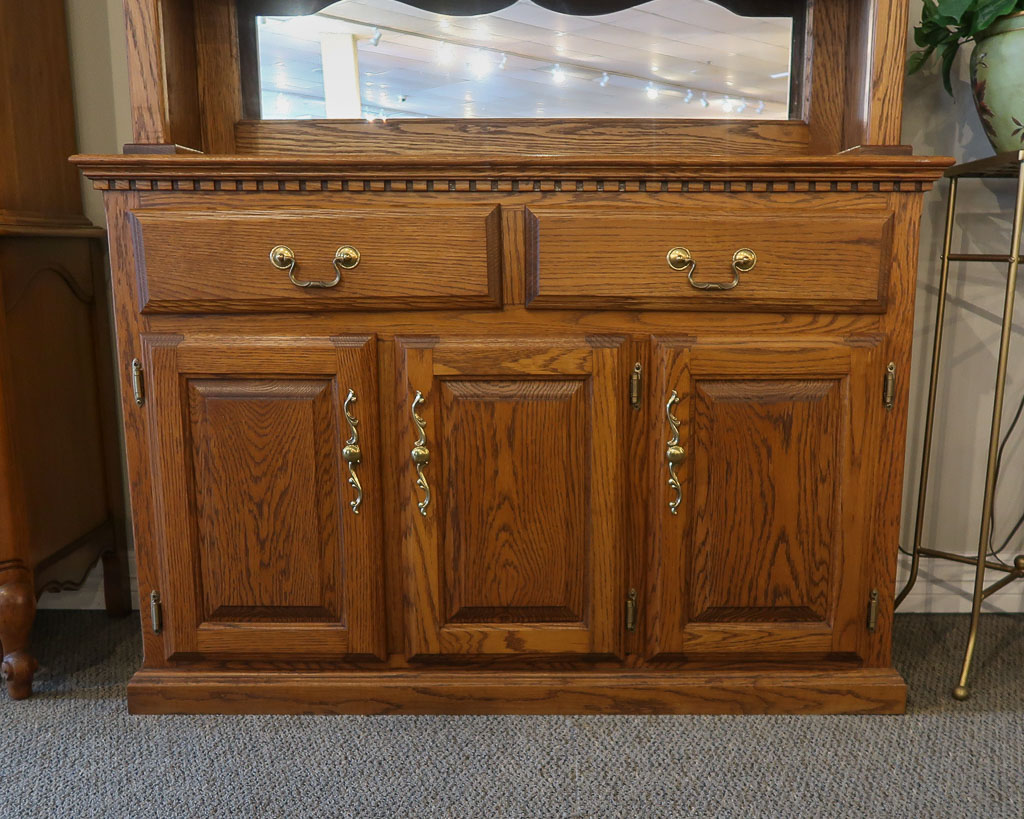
pixel 352 453
pixel 420 453
pixel 675 454
pixel 283 258
pixel 743 261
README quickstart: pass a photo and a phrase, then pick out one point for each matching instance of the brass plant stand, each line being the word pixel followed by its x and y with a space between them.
pixel 1002 166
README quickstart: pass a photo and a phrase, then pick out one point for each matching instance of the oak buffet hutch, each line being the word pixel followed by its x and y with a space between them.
pixel 509 453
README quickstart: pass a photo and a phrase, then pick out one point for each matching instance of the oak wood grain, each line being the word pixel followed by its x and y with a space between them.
pixel 617 259
pixel 263 553
pixel 879 691
pixel 228 269
pixel 520 549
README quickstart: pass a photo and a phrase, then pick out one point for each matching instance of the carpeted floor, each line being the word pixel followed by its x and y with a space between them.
pixel 73 751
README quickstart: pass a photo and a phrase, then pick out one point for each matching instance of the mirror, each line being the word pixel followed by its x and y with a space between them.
pixel 387 59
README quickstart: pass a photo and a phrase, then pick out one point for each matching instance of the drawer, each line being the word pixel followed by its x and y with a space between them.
pixel 805 261
pixel 409 257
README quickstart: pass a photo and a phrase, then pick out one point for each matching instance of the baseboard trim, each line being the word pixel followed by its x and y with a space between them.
pixel 856 691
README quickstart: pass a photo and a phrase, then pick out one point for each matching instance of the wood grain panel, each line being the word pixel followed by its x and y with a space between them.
pixel 756 561
pixel 878 691
pixel 617 260
pixel 516 538
pixel 262 552
pixel 520 137
pixel 767 467
pixel 268 542
pixel 227 266
pixel 521 549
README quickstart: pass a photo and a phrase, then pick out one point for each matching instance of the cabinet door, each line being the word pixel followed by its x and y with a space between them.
pixel 518 550
pixel 763 552
pixel 264 553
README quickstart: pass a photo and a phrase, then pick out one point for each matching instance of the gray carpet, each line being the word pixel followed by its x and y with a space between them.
pixel 73 751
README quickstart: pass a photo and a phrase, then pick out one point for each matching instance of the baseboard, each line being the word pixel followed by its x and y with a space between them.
pixel 856 691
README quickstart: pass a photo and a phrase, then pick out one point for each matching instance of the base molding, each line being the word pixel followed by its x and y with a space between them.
pixel 857 691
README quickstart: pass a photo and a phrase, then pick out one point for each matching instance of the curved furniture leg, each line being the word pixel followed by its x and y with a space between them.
pixel 17 611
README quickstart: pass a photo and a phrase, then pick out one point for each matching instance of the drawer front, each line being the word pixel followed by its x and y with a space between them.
pixel 619 260
pixel 218 261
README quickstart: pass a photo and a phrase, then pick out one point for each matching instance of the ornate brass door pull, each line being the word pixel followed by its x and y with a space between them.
pixel 675 454
pixel 420 453
pixel 283 258
pixel 352 453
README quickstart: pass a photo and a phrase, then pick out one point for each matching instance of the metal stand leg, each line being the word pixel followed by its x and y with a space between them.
pixel 961 692
pixel 940 313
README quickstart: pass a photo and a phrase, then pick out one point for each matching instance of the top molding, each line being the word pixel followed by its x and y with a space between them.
pixel 690 174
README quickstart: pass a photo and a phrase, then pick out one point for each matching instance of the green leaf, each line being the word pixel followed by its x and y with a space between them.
pixel 986 12
pixel 948 56
pixel 954 8
pixel 916 61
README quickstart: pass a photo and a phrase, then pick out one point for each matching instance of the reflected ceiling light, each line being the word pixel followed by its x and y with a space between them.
pixel 741 106
pixel 651 91
pixel 760 107
pixel 375 38
pixel 704 99
pixel 503 61
pixel 654 68
pixel 380 116
pixel 727 105
pixel 444 25
pixel 780 75
pixel 603 82
pixel 689 95
pixel 445 54
pixel 557 75
pixel 480 64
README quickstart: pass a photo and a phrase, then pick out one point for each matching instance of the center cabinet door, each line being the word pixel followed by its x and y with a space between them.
pixel 269 547
pixel 513 527
pixel 761 532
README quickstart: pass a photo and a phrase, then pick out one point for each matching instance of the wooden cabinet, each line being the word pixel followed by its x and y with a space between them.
pixel 631 394
pixel 272 541
pixel 594 506
pixel 761 527
pixel 514 534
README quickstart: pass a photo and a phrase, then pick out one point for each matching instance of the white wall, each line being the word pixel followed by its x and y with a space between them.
pixel 933 124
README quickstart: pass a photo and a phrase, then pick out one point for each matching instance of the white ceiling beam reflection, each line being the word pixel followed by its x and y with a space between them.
pixel 482 60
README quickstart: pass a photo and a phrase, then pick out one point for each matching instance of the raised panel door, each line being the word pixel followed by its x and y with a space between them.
pixel 270 543
pixel 519 548
pixel 760 534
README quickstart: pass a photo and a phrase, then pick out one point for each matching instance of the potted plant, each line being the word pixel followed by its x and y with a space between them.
pixel 997 64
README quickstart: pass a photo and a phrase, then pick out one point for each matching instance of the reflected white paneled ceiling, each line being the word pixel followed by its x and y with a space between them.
pixel 665 58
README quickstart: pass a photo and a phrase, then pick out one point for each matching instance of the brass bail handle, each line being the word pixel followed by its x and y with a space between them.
pixel 283 258
pixel 743 261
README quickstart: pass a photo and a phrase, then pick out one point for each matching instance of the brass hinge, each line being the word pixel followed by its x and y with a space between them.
pixel 889 387
pixel 156 611
pixel 138 382
pixel 631 610
pixel 873 610
pixel 635 384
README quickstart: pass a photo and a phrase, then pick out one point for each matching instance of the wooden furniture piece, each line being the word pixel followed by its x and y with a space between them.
pixel 1002 166
pixel 509 455
pixel 60 472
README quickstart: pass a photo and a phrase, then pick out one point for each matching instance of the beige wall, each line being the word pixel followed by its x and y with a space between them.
pixel 933 124
pixel 100 83
pixel 99 77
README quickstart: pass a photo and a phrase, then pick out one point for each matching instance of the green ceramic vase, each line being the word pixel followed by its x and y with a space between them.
pixel 997 78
